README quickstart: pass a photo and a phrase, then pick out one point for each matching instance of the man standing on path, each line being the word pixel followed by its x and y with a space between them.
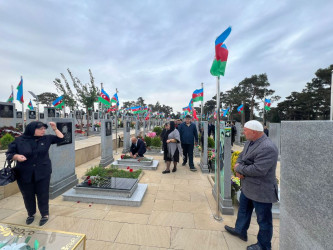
pixel 256 167
pixel 188 135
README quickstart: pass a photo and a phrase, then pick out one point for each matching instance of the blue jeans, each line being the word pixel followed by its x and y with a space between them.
pixel 264 219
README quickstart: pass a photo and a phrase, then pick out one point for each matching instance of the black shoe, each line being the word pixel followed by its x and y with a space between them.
pixel 184 163
pixel 232 231
pixel 43 220
pixel 193 169
pixel 166 172
pixel 254 247
pixel 30 220
pixel 174 169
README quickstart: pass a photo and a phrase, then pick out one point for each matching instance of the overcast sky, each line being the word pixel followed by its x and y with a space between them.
pixel 162 50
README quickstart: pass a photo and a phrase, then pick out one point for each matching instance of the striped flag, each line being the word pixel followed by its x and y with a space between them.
pixel 59 103
pixel 19 88
pixel 30 106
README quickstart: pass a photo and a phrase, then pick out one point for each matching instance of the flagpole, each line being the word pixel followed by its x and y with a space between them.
pixel 116 124
pixel 263 118
pixel 243 114
pixel 202 102
pixel 331 113
pixel 217 216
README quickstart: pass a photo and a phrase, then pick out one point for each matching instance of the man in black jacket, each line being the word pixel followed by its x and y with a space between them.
pixel 138 148
pixel 188 135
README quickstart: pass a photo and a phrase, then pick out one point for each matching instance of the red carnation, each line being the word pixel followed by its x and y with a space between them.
pixel 88 177
pixel 131 170
pixel 122 156
pixel 128 167
pixel 89 182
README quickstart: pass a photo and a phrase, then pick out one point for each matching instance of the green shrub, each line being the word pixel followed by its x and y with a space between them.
pixel 156 141
pixel 148 141
pixel 158 130
pixel 6 140
pixel 211 142
pixel 97 170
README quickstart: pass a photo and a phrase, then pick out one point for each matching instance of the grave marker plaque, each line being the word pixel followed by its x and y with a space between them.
pixel 108 128
pixel 66 129
pixel 41 115
pixel 32 114
pixel 6 111
pixel 50 112
pixel 19 114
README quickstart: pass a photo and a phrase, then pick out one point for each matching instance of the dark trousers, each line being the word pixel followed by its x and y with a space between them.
pixel 188 152
pixel 31 190
pixel 264 219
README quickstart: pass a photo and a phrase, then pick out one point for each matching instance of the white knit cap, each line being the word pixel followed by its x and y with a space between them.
pixel 254 125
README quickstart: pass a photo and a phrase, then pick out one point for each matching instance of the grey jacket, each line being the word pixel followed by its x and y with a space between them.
pixel 258 166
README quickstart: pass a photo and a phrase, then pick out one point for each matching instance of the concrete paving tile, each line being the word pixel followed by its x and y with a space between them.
pixel 163 205
pixel 98 245
pixel 169 195
pixel 152 248
pixel 144 235
pixel 193 239
pixel 207 222
pixel 145 208
pixel 275 244
pixel 12 202
pixel 118 246
pixel 188 188
pixel 172 219
pixel 166 187
pixel 234 242
pixel 4 213
pixel 152 189
pixel 127 217
pixel 191 207
pixel 198 196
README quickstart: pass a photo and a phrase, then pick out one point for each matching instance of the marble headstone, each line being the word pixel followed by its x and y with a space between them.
pixel 106 143
pixel 7 114
pixel 137 127
pixel 239 132
pixel 275 134
pixel 127 134
pixel 306 183
pixel 31 115
pixel 204 157
pixel 62 157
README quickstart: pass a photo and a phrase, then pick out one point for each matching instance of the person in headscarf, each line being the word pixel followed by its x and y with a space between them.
pixel 33 169
pixel 172 147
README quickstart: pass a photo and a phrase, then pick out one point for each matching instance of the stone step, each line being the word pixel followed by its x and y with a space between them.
pixel 153 166
pixel 134 201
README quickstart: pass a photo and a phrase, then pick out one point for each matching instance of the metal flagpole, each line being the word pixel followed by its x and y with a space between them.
pixel 202 103
pixel 217 216
pixel 116 125
pixel 243 114
pixel 263 116
pixel 331 113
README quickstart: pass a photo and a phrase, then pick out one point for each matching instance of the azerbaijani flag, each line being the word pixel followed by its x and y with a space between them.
pixel 221 54
pixel 104 98
pixel 59 103
pixel 112 108
pixel 197 95
pixel 195 115
pixel 11 97
pixel 225 112
pixel 30 106
pixel 136 110
pixel 19 88
pixel 115 99
pixel 240 109
pixel 267 104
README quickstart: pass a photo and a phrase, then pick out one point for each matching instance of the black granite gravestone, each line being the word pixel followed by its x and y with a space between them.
pixel 66 129
pixel 6 111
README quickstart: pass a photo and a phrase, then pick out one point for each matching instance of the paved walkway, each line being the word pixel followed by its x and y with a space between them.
pixel 177 213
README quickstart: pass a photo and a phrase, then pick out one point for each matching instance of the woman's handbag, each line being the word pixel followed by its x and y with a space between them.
pixel 7 174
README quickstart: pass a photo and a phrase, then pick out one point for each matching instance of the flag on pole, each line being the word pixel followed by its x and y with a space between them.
pixel 136 110
pixel 115 99
pixel 30 106
pixel 225 112
pixel 267 104
pixel 197 95
pixel 195 115
pixel 221 54
pixel 104 98
pixel 11 98
pixel 240 109
pixel 19 88
pixel 59 103
pixel 112 108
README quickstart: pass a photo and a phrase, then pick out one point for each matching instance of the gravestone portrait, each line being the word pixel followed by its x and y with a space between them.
pixel 57 114
pixel 41 115
pixel 128 126
pixel 50 112
pixel 108 129
pixel 6 111
pixel 32 114
pixel 95 116
pixel 18 114
pixel 66 129
pixel 66 115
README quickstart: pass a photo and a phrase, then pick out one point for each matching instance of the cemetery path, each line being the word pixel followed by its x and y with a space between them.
pixel 176 213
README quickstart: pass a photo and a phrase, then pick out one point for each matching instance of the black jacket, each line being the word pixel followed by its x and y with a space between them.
pixel 36 150
pixel 139 148
pixel 188 134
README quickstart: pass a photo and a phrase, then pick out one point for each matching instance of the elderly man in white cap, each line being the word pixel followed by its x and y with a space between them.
pixel 256 167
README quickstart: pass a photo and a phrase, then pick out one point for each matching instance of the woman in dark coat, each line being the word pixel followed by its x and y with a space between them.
pixel 33 168
pixel 172 148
